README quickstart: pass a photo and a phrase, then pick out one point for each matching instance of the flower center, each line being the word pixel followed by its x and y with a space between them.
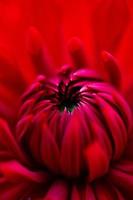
pixel 68 97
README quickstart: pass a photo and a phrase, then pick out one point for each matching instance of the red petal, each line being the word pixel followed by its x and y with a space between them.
pixel 14 192
pixel 75 194
pixel 97 160
pixel 13 171
pixel 88 193
pixel 38 54
pixel 112 118
pixel 49 150
pixel 8 143
pixel 72 148
pixel 111 69
pixel 105 192
pixel 23 126
pixel 77 54
pixel 123 179
pixel 58 191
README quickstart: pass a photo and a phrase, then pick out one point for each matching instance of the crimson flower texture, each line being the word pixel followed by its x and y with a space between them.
pixel 65 132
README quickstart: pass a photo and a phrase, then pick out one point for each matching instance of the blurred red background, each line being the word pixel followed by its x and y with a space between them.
pixel 100 24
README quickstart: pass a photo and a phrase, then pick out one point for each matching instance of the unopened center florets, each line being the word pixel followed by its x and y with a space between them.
pixel 68 98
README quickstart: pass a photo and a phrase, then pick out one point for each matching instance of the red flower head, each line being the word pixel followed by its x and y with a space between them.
pixel 70 137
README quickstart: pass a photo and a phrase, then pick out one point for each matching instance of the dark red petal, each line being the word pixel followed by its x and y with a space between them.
pixel 77 54
pixel 121 175
pixel 88 193
pixel 15 191
pixel 71 148
pixel 8 104
pixel 8 143
pixel 125 110
pixel 97 160
pixel 75 194
pixel 35 137
pixel 97 130
pixel 104 191
pixel 13 171
pixel 58 191
pixel 111 118
pixel 128 153
pixel 111 69
pixel 49 150
pixel 26 108
pixel 10 73
pixel 128 93
pixel 22 126
pixel 38 53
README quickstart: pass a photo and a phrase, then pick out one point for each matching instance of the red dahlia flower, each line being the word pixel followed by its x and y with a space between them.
pixel 69 135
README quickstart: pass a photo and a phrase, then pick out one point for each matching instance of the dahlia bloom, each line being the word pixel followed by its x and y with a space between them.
pixel 67 134
pixel 69 138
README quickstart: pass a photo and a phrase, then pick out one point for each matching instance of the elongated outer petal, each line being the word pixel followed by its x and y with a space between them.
pixel 15 174
pixel 128 153
pixel 112 69
pixel 49 150
pixel 110 116
pixel 97 160
pixel 22 126
pixel 124 110
pixel 121 175
pixel 129 96
pixel 9 102
pixel 12 84
pixel 26 108
pixel 11 76
pixel 34 139
pixel 71 148
pixel 8 143
pixel 13 171
pixel 78 56
pixel 97 131
pixel 38 54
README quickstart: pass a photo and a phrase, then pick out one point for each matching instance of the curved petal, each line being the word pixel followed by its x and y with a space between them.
pixel 57 191
pixel 40 58
pixel 105 191
pixel 71 149
pixel 8 144
pixel 121 175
